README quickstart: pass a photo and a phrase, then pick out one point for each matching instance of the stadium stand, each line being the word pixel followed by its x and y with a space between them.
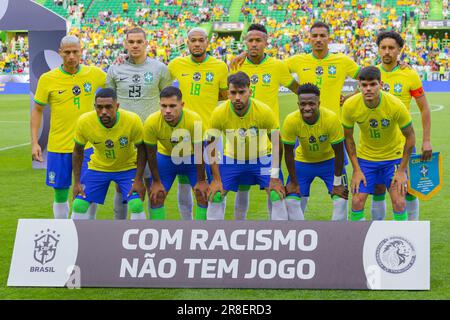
pixel 101 25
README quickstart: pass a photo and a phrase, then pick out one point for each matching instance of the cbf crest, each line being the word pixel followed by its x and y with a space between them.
pixel 148 77
pixel 45 245
pixel 123 141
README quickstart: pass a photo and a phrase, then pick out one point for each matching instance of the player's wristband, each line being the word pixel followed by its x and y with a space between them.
pixel 275 173
pixel 337 181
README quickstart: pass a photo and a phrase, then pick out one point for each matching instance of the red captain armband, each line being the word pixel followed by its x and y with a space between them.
pixel 417 93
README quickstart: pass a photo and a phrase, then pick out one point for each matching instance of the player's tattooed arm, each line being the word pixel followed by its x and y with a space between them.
pixel 157 190
pixel 400 179
pixel 289 159
pixel 77 161
pixel 223 94
pixel 339 190
pixel 358 175
pixel 138 185
pixel 424 108
pixel 35 124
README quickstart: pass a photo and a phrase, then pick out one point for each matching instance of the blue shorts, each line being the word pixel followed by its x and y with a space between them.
pixel 377 172
pixel 306 172
pixel 97 183
pixel 235 173
pixel 59 168
pixel 169 170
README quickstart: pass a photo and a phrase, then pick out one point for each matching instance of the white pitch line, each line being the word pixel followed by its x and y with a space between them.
pixel 440 107
pixel 16 146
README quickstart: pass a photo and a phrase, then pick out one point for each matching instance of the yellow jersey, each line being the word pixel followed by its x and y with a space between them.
pixel 200 83
pixel 381 138
pixel 188 131
pixel 114 148
pixel 402 83
pixel 328 74
pixel 315 140
pixel 69 96
pixel 246 137
pixel 266 79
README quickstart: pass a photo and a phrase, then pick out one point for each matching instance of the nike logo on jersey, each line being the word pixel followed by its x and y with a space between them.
pixel 61 91
pixel 184 74
pixel 123 79
pixel 306 69
pixel 96 142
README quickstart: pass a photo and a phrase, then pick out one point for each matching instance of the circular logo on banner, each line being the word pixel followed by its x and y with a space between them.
pixel 395 255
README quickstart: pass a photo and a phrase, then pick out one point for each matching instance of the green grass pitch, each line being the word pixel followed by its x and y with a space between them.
pixel 25 195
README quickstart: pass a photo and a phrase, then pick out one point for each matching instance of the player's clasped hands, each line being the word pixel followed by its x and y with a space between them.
pixel 340 191
pixel 201 190
pixel 157 192
pixel 277 186
pixel 214 187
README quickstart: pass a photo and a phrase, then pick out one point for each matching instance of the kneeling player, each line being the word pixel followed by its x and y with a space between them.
pixel 174 141
pixel 382 155
pixel 320 153
pixel 247 125
pixel 114 135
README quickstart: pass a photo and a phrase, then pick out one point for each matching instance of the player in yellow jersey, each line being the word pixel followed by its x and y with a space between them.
pixel 174 141
pixel 266 74
pixel 69 91
pixel 383 154
pixel 320 153
pixel 404 84
pixel 115 135
pixel 203 82
pixel 326 70
pixel 248 124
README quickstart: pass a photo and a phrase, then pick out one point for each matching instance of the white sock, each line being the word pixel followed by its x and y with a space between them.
pixel 241 205
pixel 138 216
pixel 412 207
pixel 61 210
pixel 80 216
pixel 185 201
pixel 120 208
pixel 378 210
pixel 294 208
pixel 215 211
pixel 92 211
pixel 340 209
pixel 304 203
pixel 279 210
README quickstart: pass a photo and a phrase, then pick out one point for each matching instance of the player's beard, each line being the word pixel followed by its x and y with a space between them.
pixel 198 54
pixel 387 59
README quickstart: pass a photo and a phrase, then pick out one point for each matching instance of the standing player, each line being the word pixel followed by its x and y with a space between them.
pixel 115 135
pixel 69 91
pixel 174 143
pixel 266 75
pixel 404 84
pixel 248 125
pixel 138 82
pixel 382 154
pixel 320 153
pixel 203 82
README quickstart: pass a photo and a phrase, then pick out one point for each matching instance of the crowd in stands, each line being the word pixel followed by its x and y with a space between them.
pixel 354 31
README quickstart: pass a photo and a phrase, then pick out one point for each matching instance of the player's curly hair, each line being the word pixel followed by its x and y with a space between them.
pixel 391 35
pixel 308 88
pixel 257 27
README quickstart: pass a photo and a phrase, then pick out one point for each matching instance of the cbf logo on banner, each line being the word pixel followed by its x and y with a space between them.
pixel 425 177
pixel 380 255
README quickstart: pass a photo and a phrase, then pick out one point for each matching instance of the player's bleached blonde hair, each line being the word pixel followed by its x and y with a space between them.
pixel 197 29
pixel 70 39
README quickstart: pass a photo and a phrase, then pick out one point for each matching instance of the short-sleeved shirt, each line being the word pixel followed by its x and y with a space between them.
pixel 114 148
pixel 315 140
pixel 266 79
pixel 404 84
pixel 328 74
pixel 200 83
pixel 381 138
pixel 188 131
pixel 69 96
pixel 138 85
pixel 246 137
